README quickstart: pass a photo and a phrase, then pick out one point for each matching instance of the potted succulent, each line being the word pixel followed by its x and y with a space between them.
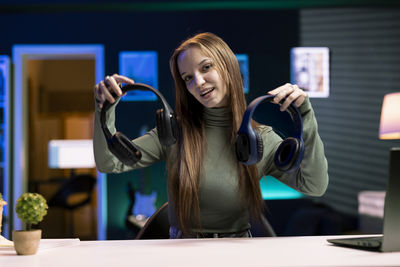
pixel 30 208
pixel 2 203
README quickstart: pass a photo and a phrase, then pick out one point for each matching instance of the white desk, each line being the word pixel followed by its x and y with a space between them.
pixel 279 251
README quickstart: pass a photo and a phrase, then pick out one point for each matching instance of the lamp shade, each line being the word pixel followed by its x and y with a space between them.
pixel 71 154
pixel 390 117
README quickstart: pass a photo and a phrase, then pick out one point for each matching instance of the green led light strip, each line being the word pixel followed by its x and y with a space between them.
pixel 190 5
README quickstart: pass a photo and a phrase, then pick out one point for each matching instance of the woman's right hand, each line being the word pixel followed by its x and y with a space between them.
pixel 111 84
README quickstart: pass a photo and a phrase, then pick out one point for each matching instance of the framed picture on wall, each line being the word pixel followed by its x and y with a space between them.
pixel 310 70
pixel 243 60
pixel 141 66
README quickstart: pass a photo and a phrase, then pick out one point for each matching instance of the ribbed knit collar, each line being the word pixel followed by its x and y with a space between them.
pixel 217 116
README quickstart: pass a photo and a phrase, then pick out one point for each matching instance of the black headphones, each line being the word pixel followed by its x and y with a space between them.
pixel 249 144
pixel 167 127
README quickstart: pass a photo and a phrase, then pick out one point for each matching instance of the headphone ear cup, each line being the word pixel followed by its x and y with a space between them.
pixel 126 151
pixel 260 146
pixel 166 128
pixel 242 147
pixel 160 125
pixel 175 128
pixel 288 153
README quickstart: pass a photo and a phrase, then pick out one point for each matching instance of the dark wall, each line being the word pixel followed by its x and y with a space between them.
pixel 265 35
pixel 365 65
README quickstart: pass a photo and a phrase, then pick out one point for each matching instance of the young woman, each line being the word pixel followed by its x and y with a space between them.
pixel 209 192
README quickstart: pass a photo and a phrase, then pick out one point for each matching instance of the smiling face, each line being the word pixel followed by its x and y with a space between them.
pixel 202 79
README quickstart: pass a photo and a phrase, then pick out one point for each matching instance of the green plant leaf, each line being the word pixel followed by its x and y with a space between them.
pixel 31 208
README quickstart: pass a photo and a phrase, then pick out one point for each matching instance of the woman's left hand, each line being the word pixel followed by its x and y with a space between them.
pixel 291 92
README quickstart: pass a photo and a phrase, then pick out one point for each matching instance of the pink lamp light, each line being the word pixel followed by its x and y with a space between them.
pixel 390 117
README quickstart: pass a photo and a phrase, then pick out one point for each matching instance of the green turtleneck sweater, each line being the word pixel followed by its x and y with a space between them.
pixel 221 209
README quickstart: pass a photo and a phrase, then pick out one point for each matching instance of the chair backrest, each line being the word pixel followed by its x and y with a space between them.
pixel 79 185
pixel 157 226
pixel 262 228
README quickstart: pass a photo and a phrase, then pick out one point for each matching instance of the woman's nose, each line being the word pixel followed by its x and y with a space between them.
pixel 199 80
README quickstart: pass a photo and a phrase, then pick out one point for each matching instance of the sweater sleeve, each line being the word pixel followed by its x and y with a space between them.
pixel 149 145
pixel 312 176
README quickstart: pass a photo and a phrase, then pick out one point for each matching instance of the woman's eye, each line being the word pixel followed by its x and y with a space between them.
pixel 207 67
pixel 186 78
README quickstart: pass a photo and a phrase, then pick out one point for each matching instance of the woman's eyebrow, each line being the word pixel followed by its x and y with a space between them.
pixel 201 62
pixel 206 59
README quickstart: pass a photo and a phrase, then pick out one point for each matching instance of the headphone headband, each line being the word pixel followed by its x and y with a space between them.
pixel 145 87
pixel 121 146
pixel 292 110
pixel 126 88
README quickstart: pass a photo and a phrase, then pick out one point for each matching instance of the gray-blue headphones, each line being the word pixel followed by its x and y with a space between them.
pixel 249 144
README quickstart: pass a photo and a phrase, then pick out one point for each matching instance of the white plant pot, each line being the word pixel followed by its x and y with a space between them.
pixel 26 242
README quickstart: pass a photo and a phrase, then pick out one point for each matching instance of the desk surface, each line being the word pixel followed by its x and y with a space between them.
pixel 277 251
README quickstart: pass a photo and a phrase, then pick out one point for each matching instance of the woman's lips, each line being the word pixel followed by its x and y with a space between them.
pixel 207 92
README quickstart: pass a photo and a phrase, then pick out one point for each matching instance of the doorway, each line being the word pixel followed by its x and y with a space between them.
pixel 54 100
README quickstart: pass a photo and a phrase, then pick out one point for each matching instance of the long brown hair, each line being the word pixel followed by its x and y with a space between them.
pixel 184 169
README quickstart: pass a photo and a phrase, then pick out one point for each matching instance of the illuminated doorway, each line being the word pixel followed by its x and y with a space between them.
pixel 52 98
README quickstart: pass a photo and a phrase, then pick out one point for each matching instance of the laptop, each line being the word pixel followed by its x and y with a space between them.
pixel 390 240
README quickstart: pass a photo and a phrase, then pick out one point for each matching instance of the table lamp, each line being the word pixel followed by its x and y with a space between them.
pixel 71 154
pixel 390 117
pixel 371 203
pixel 389 128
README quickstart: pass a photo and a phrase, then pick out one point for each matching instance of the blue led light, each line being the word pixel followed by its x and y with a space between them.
pixel 20 54
pixel 5 136
pixel 243 60
pixel 141 66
